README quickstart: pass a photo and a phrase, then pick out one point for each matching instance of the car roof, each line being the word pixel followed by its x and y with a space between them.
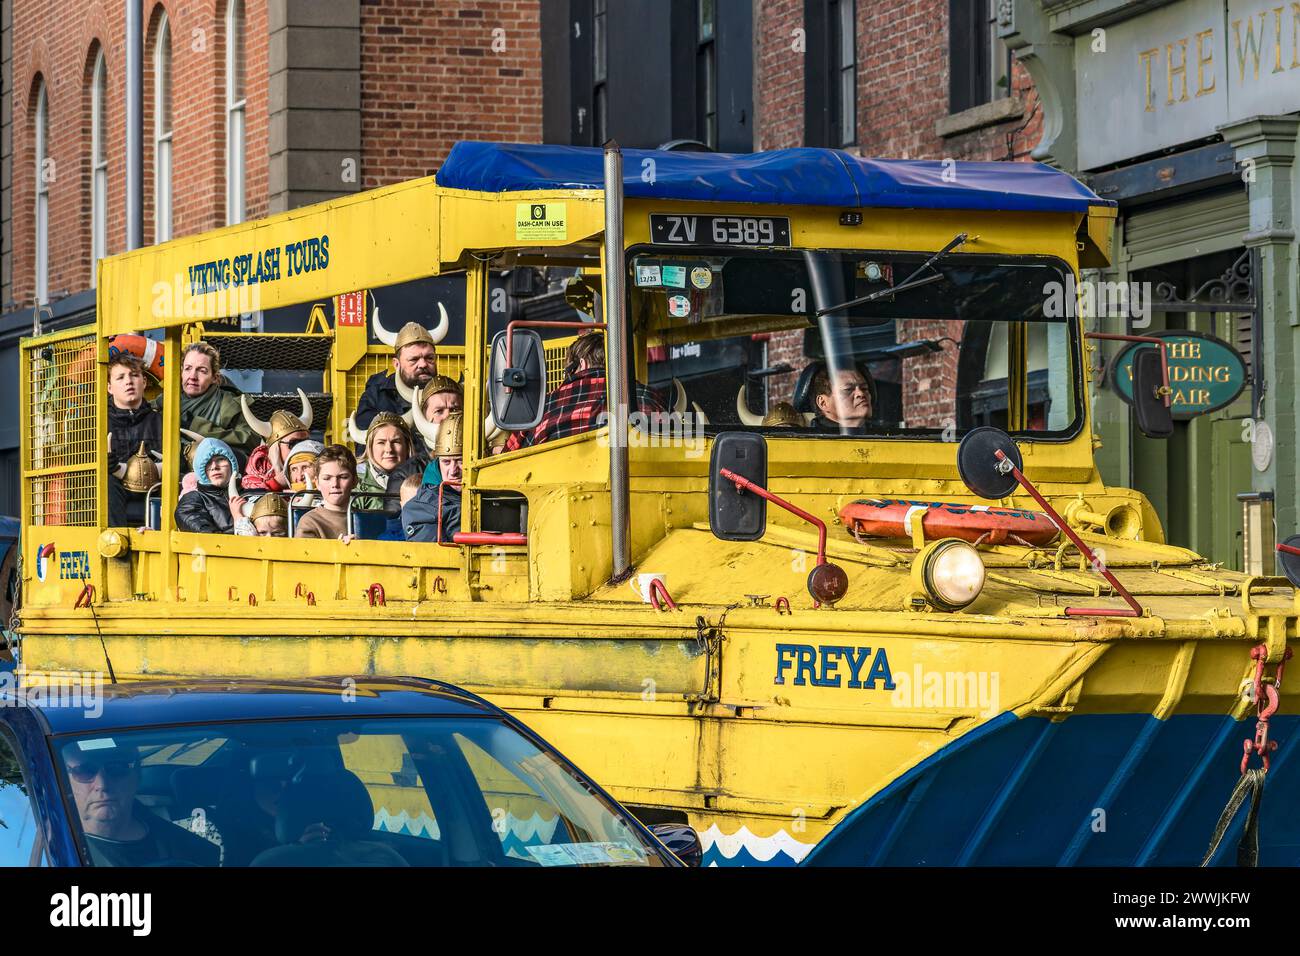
pixel 149 703
pixel 799 177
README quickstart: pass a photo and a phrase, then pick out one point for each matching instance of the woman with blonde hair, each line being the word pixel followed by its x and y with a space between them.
pixel 210 404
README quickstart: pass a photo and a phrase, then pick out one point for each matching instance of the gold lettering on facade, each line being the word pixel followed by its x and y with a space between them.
pixel 1180 70
pixel 1252 44
pixel 1295 35
pixel 1146 56
pixel 1277 39
pixel 1204 58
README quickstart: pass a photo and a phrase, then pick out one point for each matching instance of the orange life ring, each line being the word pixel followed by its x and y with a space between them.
pixel 893 517
pixel 148 351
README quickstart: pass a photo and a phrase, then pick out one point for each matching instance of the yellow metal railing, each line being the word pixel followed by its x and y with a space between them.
pixel 60 428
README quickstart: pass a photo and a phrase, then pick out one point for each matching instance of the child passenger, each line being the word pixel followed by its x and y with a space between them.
pixel 209 508
pixel 336 477
pixel 268 519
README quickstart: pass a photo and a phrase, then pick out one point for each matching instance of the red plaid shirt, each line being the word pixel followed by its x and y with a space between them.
pixel 575 407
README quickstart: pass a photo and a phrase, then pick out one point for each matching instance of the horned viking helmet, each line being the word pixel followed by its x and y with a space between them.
pixel 412 332
pixel 282 423
pixel 450 439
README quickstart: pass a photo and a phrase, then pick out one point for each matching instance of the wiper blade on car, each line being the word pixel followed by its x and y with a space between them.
pixel 911 282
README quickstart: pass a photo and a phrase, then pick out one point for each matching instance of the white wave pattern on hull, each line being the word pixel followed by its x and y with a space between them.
pixel 421 826
pixel 760 848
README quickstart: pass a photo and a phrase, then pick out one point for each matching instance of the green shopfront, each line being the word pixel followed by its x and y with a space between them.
pixel 1186 113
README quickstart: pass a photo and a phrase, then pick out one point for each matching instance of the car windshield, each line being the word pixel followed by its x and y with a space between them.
pixel 409 791
pixel 974 340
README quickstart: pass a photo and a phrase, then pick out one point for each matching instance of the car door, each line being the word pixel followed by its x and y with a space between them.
pixel 20 831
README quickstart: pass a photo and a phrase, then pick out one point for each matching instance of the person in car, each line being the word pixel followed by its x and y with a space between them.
pixel 119 830
pixel 577 405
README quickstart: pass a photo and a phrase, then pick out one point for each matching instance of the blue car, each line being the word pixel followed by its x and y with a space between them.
pixel 318 772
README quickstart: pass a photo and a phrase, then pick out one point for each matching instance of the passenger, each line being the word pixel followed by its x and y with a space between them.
pixel 119 830
pixel 133 425
pixel 266 465
pixel 436 401
pixel 210 404
pixel 337 474
pixel 432 512
pixel 268 519
pixel 845 409
pixel 576 406
pixel 300 465
pixel 212 507
pixel 388 461
pixel 415 363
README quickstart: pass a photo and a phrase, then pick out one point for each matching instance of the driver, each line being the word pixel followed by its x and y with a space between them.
pixel 119 830
pixel 843 405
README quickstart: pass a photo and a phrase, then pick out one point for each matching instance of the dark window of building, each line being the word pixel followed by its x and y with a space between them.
pixel 830 73
pixel 600 74
pixel 706 74
pixel 979 62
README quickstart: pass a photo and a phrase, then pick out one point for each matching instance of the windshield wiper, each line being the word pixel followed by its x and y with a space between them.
pixel 911 282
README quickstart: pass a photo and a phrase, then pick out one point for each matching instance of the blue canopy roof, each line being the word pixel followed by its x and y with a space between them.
pixel 801 177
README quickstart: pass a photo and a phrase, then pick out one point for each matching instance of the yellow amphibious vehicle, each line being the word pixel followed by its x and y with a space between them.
pixel 878 659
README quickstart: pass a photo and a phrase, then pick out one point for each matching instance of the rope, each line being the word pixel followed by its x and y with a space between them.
pixel 1252 783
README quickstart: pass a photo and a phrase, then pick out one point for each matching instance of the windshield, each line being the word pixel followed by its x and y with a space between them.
pixel 434 791
pixel 973 340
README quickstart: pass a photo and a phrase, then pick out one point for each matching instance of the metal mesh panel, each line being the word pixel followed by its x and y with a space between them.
pixel 557 352
pixel 63 499
pixel 61 433
pixel 265 404
pixel 269 351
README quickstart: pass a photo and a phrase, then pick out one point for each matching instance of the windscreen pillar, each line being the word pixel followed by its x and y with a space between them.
pixel 616 355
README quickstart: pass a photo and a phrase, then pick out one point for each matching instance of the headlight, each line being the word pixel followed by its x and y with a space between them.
pixel 950 572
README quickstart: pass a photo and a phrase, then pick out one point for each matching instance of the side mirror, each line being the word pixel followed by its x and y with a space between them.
pixel 517 390
pixel 682 840
pixel 979 467
pixel 1155 419
pixel 736 515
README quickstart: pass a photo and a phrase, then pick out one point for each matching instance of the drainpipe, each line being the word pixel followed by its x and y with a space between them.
pixel 616 354
pixel 134 124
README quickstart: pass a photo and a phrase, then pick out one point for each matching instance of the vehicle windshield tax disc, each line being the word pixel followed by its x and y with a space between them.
pixel 679 306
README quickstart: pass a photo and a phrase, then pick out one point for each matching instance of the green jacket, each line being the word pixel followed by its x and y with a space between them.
pixel 217 414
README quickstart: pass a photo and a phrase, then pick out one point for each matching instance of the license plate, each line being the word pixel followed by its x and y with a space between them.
pixel 719 230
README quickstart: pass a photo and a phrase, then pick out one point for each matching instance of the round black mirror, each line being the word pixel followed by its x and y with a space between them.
pixel 1290 562
pixel 978 466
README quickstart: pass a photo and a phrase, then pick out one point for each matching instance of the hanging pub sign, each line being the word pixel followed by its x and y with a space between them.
pixel 1205 372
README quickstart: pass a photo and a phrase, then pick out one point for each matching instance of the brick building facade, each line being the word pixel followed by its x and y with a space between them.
pixel 337 96
pixel 906 107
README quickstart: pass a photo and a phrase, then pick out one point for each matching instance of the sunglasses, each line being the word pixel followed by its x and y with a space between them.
pixel 112 769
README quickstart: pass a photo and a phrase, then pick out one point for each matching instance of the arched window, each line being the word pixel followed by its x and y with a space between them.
pixel 235 112
pixel 98 165
pixel 162 132
pixel 42 176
